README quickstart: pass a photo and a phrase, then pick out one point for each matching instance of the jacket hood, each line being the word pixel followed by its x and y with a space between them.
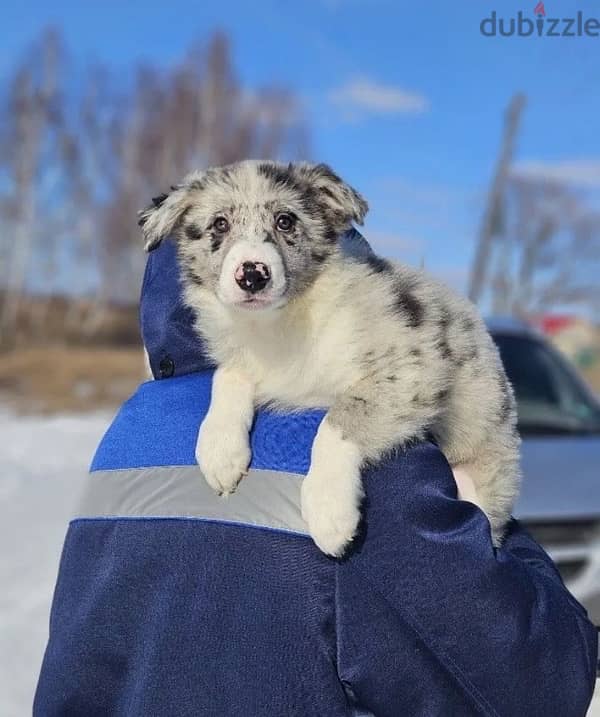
pixel 167 325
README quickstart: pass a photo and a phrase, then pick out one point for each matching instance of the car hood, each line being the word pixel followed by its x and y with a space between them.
pixel 561 477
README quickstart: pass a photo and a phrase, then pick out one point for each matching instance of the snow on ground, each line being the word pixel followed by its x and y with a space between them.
pixel 41 463
pixel 42 460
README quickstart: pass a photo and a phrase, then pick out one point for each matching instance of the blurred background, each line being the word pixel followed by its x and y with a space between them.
pixel 479 155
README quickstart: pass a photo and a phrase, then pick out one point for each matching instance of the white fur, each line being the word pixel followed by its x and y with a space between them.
pixel 307 354
pixel 222 450
pixel 332 490
pixel 390 353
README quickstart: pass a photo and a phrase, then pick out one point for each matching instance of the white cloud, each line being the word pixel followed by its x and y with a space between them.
pixel 581 172
pixel 361 96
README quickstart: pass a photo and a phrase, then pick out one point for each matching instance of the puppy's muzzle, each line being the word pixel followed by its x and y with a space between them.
pixel 252 276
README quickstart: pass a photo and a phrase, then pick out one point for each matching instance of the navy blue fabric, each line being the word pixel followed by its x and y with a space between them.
pixel 278 441
pixel 471 629
pixel 156 616
pixel 160 618
pixel 181 616
pixel 173 346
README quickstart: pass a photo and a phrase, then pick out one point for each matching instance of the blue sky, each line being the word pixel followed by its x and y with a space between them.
pixel 404 100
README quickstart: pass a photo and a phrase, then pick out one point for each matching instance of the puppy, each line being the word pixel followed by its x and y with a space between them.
pixel 292 322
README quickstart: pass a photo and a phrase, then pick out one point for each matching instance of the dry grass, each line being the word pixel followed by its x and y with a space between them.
pixel 43 320
pixel 58 378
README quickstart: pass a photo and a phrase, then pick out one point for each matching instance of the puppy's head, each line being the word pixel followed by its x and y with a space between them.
pixel 255 233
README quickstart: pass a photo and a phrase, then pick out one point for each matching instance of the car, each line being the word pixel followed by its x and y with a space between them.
pixel 559 422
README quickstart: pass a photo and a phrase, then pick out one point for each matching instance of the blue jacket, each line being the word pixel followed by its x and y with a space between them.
pixel 172 601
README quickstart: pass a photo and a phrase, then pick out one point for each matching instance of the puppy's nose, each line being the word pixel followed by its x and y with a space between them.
pixel 252 276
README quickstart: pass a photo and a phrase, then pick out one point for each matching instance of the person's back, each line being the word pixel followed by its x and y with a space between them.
pixel 173 601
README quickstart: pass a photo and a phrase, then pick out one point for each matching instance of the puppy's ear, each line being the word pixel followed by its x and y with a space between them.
pixel 160 218
pixel 341 197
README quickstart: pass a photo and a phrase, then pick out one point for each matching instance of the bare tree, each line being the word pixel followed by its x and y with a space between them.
pixel 538 248
pixel 549 256
pixel 33 113
pixel 80 159
pixel 191 117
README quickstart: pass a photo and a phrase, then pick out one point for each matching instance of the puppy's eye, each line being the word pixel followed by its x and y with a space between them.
pixel 221 225
pixel 285 222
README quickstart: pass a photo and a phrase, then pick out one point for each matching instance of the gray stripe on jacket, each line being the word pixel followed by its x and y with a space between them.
pixel 269 499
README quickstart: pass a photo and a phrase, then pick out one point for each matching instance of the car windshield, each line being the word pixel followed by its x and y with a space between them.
pixel 550 399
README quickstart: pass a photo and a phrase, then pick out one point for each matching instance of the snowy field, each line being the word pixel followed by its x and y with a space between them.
pixel 42 461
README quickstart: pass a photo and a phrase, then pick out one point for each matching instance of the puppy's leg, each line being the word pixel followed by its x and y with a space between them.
pixel 361 425
pixel 223 447
pixel 332 491
pixel 478 436
pixel 495 477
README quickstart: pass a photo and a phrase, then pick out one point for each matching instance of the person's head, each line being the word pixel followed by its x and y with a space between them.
pixel 255 233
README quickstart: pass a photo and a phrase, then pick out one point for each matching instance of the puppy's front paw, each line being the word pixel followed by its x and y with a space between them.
pixel 223 454
pixel 331 506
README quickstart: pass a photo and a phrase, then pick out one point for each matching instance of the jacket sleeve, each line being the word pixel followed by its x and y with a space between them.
pixel 431 620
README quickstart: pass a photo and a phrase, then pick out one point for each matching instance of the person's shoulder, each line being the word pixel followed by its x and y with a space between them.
pixel 420 460
pixel 158 425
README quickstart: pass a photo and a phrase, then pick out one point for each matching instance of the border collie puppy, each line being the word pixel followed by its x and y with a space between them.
pixel 293 322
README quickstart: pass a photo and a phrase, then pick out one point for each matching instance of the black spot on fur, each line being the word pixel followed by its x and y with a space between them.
pixel 331 234
pixel 335 217
pixel 290 242
pixel 507 404
pixel 281 177
pixel 444 348
pixel 310 202
pixel 442 396
pixel 359 399
pixel 325 171
pixel 159 200
pixel 334 220
pixel 327 192
pixel 193 276
pixel 193 232
pixel 468 325
pixel 410 307
pixel 378 264
pixel 442 344
pixel 445 319
pixel 156 203
pixel 226 176
pixel 415 353
pixel 215 242
pixel 319 257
